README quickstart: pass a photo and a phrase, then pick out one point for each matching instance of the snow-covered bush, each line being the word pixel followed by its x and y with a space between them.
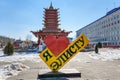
pixel 99 44
pixel 96 48
pixel 9 49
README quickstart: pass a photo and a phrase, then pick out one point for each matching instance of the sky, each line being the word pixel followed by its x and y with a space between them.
pixel 19 17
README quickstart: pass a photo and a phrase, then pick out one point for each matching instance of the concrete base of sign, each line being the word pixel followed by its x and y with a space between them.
pixel 71 73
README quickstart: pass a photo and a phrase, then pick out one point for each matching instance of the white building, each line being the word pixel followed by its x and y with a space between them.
pixel 105 30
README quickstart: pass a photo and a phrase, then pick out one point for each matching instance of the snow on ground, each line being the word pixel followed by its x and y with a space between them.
pixel 106 54
pixel 11 70
pixel 20 57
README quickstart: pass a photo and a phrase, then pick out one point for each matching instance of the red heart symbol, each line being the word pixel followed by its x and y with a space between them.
pixel 56 45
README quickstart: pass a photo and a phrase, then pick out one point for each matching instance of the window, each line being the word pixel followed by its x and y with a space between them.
pixel 111 23
pixel 118 21
pixel 111 19
pixel 114 17
pixel 117 16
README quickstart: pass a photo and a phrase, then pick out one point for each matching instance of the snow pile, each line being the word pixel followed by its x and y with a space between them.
pixel 106 54
pixel 11 70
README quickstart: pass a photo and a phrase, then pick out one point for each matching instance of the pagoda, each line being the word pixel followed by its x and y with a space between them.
pixel 51 25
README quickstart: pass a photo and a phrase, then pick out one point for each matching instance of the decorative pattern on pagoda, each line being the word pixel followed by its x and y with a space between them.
pixel 43 34
pixel 51 17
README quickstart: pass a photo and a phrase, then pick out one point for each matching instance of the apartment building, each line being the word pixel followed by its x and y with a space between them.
pixel 105 30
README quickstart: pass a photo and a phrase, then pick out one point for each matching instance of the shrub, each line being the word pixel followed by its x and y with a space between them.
pixel 99 44
pixel 9 49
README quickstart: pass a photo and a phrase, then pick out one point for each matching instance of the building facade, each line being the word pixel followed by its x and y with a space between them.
pixel 105 30
pixel 51 25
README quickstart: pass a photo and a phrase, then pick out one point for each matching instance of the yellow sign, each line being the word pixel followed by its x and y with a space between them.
pixel 56 63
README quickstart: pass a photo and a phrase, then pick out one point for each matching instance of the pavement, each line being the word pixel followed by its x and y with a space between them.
pixel 90 69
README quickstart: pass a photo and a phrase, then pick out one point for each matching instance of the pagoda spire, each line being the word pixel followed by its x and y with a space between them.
pixel 51 7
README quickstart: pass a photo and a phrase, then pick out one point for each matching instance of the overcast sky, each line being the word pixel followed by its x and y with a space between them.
pixel 19 17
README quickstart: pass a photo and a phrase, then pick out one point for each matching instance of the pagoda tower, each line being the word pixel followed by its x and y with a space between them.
pixel 51 25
